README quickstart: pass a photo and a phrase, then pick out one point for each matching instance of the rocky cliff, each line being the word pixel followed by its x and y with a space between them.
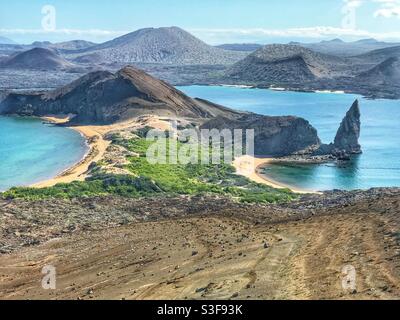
pixel 349 131
pixel 289 136
pixel 273 136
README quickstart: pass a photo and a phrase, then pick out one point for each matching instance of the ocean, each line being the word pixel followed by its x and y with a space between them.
pixel 378 166
pixel 31 151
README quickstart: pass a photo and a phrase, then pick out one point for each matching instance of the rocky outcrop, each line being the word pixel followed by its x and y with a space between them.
pixel 349 131
pixel 273 136
pixel 346 142
pixel 295 139
pixel 103 97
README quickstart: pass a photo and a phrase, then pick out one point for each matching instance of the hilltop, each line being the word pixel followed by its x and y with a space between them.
pixel 104 97
pixel 36 59
pixel 64 46
pixel 163 45
pixel 286 63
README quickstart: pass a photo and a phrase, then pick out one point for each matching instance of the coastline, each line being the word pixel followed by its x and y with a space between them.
pixel 250 167
pixel 247 166
pixel 78 172
pixel 94 136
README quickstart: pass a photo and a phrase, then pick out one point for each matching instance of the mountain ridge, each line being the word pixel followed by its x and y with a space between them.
pixel 170 45
pixel 103 97
pixel 244 47
pixel 346 49
pixel 5 40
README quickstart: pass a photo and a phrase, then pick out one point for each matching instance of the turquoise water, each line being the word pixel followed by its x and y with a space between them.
pixel 378 166
pixel 31 151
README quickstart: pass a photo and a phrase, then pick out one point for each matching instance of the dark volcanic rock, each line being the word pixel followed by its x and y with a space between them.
pixel 346 141
pixel 294 138
pixel 349 132
pixel 103 97
pixel 273 136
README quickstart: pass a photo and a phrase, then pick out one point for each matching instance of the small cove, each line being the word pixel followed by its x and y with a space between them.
pixel 378 166
pixel 32 151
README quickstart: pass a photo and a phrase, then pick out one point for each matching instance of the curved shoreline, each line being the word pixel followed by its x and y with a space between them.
pixel 250 167
pixel 94 136
pixel 78 172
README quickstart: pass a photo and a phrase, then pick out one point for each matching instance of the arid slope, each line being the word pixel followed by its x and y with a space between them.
pixel 209 251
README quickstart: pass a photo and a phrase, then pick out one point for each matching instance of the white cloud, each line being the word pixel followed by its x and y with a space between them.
pixel 353 3
pixel 77 32
pixel 216 36
pixel 389 9
pixel 388 12
pixel 312 32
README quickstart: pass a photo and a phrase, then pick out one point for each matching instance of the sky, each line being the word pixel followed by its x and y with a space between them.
pixel 213 21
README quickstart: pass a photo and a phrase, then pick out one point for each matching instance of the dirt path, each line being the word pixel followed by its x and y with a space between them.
pixel 212 258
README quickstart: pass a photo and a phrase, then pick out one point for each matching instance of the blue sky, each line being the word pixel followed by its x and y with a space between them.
pixel 214 21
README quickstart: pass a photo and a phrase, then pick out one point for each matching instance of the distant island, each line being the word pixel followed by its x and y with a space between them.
pixel 367 67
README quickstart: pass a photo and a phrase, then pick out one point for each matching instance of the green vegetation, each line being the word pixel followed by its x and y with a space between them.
pixel 198 178
pixel 167 179
pixel 128 186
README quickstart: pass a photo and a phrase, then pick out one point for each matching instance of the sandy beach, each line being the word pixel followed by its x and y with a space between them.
pixel 97 148
pixel 251 167
pixel 94 136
